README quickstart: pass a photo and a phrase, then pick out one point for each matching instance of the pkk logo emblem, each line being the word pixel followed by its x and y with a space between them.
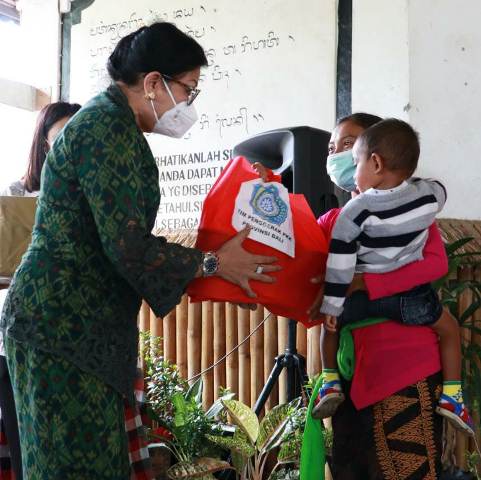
pixel 267 204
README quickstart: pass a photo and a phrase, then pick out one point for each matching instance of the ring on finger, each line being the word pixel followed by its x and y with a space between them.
pixel 259 269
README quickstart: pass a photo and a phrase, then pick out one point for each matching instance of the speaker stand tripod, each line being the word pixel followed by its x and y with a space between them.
pixel 295 366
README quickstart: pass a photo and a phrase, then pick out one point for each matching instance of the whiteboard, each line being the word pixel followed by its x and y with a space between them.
pixel 272 64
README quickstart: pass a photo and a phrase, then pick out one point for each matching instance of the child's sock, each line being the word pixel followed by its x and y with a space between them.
pixel 330 375
pixel 331 382
pixel 454 390
pixel 330 394
pixel 452 407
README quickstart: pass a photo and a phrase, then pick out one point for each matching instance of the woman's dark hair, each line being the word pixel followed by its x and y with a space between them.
pixel 48 116
pixel 161 47
pixel 364 120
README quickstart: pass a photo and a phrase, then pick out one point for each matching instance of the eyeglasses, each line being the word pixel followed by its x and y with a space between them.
pixel 192 92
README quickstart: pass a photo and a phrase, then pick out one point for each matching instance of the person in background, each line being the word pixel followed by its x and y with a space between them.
pixel 70 315
pixel 50 121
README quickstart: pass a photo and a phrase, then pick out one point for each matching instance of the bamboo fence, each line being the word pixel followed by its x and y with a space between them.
pixel 195 336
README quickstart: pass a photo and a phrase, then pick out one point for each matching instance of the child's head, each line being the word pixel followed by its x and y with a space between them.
pixel 385 154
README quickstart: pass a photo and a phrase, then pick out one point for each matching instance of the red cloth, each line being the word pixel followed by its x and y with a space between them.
pixel 135 421
pixel 391 356
pixel 293 293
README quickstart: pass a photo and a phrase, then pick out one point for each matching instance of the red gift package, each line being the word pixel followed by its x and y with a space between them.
pixel 292 294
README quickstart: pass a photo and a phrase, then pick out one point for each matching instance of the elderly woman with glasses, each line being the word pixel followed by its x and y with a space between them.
pixel 70 315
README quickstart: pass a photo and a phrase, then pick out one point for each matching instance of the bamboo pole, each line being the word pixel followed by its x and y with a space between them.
pixel 194 339
pixel 301 340
pixel 182 316
pixel 257 355
pixel 169 336
pixel 465 299
pixel 282 327
pixel 243 319
pixel 270 353
pixel 156 325
pixel 219 347
pixel 232 362
pixel 207 353
pixel 313 351
pixel 144 317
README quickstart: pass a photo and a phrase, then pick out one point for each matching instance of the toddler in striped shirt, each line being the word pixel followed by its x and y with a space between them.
pixel 380 230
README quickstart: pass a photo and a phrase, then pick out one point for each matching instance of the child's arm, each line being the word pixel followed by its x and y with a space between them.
pixel 341 264
pixel 266 174
pixel 433 266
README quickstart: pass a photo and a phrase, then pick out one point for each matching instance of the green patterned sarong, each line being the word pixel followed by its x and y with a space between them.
pixel 71 423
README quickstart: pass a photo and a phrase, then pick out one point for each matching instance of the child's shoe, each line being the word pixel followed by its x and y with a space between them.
pixel 329 398
pixel 456 413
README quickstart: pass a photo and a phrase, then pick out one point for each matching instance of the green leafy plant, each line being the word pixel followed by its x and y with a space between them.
pixel 452 289
pixel 286 474
pixel 473 460
pixel 253 440
pixel 183 425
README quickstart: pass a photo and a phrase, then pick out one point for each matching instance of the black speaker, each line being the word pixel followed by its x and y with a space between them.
pixel 299 155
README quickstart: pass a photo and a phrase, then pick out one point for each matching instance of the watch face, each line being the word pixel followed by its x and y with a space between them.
pixel 210 265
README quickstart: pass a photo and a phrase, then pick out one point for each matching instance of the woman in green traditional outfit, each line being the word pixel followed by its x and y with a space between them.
pixel 70 316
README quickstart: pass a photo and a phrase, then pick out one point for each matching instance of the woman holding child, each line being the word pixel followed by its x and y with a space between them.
pixel 386 428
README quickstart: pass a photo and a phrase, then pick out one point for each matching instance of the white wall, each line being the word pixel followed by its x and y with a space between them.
pixel 421 61
pixel 380 57
pixel 31 58
pixel 445 97
pixel 417 60
pixel 35 51
pixel 272 65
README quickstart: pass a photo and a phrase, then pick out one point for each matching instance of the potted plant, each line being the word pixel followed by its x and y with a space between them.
pixel 181 427
pixel 253 440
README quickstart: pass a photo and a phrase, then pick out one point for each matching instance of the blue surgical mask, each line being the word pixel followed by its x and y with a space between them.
pixel 341 168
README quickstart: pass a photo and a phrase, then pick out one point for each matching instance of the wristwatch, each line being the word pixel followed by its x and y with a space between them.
pixel 210 264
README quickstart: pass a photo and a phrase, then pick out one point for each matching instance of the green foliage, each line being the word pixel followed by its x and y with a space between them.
pixel 238 443
pixel 290 447
pixel 252 441
pixel 162 380
pixel 473 460
pixel 243 417
pixel 451 290
pixel 200 467
pixel 286 474
pixel 273 424
pixel 177 407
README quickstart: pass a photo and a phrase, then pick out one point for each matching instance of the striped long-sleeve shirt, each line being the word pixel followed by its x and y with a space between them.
pixel 379 231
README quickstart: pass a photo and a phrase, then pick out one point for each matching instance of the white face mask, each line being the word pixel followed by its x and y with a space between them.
pixel 176 121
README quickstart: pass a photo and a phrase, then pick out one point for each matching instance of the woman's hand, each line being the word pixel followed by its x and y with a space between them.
pixel 238 266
